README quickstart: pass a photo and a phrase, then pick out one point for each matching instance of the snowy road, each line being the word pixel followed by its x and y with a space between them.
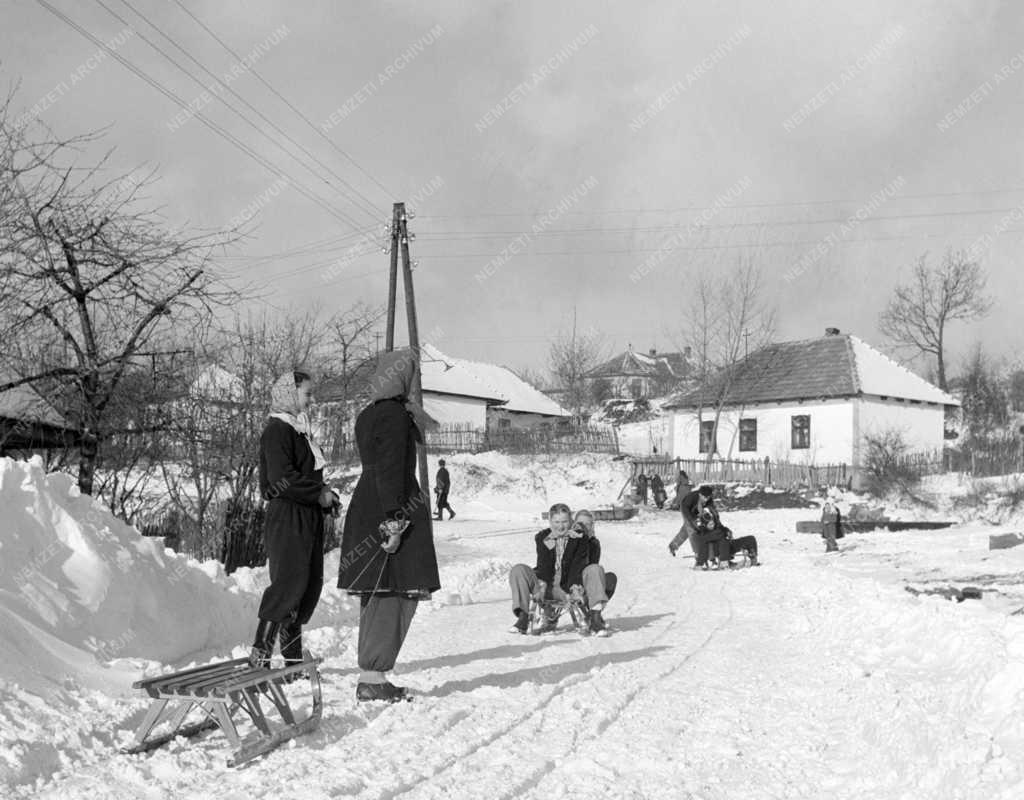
pixel 799 679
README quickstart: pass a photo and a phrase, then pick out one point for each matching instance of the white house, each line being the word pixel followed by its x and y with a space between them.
pixel 485 396
pixel 811 402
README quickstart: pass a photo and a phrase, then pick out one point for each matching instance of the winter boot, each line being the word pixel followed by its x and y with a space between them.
pixel 263 643
pixel 753 559
pixel 451 514
pixel 386 691
pixel 522 624
pixel 291 647
pixel 598 626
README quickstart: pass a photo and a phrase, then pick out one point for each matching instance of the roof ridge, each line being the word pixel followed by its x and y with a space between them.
pixel 852 355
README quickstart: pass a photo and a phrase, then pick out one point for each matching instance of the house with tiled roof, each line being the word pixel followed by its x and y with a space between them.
pixel 810 401
pixel 638 375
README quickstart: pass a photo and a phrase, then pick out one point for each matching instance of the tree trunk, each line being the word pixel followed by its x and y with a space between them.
pixel 88 453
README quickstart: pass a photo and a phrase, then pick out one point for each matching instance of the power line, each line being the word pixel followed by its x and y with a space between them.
pixel 368 209
pixel 285 100
pixel 220 131
pixel 671 210
pixel 234 110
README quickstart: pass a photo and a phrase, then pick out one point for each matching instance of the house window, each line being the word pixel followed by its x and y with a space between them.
pixel 504 422
pixel 748 435
pixel 636 388
pixel 801 432
pixel 707 437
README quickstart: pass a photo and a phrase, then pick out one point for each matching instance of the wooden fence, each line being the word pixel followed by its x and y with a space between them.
pixel 719 470
pixel 462 438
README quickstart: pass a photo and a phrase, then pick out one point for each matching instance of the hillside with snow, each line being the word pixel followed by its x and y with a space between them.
pixel 812 676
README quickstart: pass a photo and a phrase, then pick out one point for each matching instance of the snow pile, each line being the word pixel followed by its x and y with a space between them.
pixel 493 482
pixel 86 604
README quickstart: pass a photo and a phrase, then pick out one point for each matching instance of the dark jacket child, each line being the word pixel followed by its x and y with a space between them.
pixel 658 491
pixel 831 526
pixel 291 481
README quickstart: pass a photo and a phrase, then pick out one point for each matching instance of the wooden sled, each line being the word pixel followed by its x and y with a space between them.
pixel 219 691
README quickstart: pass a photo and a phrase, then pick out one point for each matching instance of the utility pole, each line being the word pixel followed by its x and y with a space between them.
pixel 397 210
pixel 414 343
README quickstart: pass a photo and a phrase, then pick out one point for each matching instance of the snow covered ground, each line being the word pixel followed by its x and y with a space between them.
pixel 812 676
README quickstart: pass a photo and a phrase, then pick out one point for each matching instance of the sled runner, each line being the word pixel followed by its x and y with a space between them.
pixel 544 615
pixel 219 691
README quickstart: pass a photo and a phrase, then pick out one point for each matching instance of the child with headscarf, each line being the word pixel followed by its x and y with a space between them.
pixel 387 547
pixel 292 482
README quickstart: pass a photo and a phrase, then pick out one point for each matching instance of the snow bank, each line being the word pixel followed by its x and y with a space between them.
pixel 493 484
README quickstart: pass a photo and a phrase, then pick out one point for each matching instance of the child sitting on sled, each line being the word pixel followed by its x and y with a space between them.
pixel 710 530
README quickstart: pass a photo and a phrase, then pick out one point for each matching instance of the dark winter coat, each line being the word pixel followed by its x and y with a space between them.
pixel 832 524
pixel 387 489
pixel 575 559
pixel 293 533
pixel 692 504
pixel 443 482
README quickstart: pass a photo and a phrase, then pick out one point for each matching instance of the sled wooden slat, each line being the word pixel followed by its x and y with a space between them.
pixel 218 691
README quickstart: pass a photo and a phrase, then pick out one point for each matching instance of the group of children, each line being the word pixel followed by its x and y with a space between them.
pixel 712 542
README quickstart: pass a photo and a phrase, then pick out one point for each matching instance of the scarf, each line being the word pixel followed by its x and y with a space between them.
pixel 393 379
pixel 284 406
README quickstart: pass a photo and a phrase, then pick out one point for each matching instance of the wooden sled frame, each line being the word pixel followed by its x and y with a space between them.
pixel 219 691
pixel 549 608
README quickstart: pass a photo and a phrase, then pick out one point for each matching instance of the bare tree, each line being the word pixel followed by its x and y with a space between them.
pixel 571 356
pixel 919 312
pixel 727 319
pixel 91 286
pixel 350 340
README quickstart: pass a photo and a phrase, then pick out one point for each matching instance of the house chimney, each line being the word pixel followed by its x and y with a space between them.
pixel 831 331
pixel 687 352
pixel 653 352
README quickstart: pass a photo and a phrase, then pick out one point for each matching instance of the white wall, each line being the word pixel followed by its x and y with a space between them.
pixel 831 432
pixel 519 420
pixel 448 409
pixel 920 424
pixel 640 438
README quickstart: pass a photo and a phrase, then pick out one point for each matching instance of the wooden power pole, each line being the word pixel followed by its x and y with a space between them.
pixel 397 210
pixel 414 343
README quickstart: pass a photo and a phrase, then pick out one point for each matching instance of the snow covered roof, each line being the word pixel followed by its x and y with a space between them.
pixel 634 364
pixel 215 382
pixel 448 375
pixel 25 403
pixel 828 366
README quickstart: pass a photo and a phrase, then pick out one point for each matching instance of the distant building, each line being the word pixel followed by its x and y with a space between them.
pixel 642 375
pixel 486 396
pixel 29 423
pixel 810 401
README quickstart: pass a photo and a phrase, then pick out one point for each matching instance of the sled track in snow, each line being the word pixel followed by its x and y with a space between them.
pixel 545 711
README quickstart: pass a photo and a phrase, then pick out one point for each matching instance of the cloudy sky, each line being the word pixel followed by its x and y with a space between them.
pixel 557 155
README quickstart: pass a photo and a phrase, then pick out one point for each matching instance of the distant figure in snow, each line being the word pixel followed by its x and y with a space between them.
pixel 442 484
pixel 831 522
pixel 658 490
pixel 641 487
pixel 292 482
pixel 683 487
pixel 692 504
pixel 710 526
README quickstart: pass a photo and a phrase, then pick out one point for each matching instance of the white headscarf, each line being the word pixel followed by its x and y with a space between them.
pixel 284 405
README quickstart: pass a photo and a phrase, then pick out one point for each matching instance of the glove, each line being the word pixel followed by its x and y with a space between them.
pixel 391 531
pixel 539 590
pixel 576 593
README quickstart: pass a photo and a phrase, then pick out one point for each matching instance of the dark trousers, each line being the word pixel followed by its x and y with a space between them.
pixel 384 620
pixel 294 540
pixel 442 503
pixel 748 543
